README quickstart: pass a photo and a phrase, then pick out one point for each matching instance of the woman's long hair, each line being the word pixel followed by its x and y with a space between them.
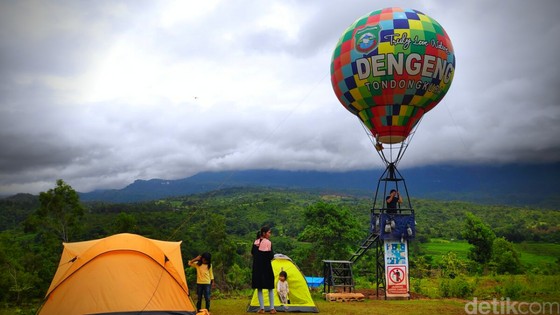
pixel 208 259
pixel 263 231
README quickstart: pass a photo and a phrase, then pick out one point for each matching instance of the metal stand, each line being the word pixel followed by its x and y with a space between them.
pixel 390 224
pixel 401 223
pixel 338 274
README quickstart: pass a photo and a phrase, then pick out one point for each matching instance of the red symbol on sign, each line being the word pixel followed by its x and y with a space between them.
pixel 396 275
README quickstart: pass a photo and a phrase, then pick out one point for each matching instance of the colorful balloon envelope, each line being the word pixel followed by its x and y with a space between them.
pixel 390 67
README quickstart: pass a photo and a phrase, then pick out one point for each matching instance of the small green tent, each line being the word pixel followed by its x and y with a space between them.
pixel 300 297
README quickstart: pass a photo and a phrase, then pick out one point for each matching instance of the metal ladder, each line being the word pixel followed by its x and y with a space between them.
pixel 338 274
pixel 366 244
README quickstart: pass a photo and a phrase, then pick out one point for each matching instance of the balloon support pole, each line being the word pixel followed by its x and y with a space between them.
pixel 388 226
pixel 390 179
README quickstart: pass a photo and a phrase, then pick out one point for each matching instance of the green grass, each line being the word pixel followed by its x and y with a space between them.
pixel 370 307
pixel 419 307
pixel 529 288
pixel 439 247
pixel 531 254
pixel 534 254
pixel 238 306
pixel 515 287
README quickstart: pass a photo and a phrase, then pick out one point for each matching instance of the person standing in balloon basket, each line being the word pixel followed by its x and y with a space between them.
pixel 393 200
pixel 263 275
pixel 204 278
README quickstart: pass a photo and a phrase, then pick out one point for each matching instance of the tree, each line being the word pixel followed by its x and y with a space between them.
pixel 332 230
pixel 18 277
pixel 60 210
pixel 214 239
pixel 452 266
pixel 124 223
pixel 505 258
pixel 480 236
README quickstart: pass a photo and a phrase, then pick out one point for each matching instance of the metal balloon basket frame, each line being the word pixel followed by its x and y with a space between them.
pixel 390 224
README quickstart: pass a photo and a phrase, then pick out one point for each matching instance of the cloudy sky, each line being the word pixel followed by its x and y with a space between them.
pixel 101 93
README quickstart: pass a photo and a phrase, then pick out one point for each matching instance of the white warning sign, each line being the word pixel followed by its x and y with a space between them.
pixel 396 269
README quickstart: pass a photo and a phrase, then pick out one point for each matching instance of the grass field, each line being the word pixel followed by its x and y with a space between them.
pixel 531 254
pixel 238 306
pixel 419 307
pixel 382 307
pixel 538 253
pixel 439 247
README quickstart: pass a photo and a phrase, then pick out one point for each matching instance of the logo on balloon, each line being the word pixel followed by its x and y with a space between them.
pixel 366 38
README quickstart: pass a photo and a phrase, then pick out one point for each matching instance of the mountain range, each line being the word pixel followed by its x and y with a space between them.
pixel 502 184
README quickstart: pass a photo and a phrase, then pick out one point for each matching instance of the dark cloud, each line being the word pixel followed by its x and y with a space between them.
pixel 101 94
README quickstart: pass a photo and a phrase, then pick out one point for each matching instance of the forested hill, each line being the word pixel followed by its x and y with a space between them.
pixel 245 209
pixel 518 185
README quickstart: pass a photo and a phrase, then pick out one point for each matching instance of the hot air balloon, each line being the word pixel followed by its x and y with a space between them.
pixel 389 68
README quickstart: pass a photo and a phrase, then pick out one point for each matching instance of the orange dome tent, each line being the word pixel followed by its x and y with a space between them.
pixel 119 274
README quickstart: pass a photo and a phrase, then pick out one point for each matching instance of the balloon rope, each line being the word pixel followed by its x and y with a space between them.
pixel 455 125
pixel 374 142
pixel 251 153
pixel 408 139
pixel 298 105
pixel 390 157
